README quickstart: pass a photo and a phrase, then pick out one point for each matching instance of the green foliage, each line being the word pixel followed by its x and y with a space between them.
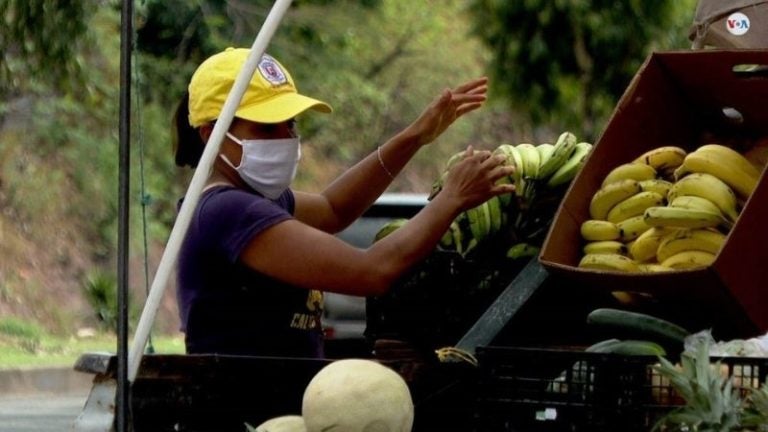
pixel 569 61
pixel 53 351
pixel 100 289
pixel 379 63
pixel 756 414
pixel 39 41
pixel 26 335
pixel 19 328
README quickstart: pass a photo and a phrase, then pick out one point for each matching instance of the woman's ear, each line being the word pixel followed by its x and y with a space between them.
pixel 205 131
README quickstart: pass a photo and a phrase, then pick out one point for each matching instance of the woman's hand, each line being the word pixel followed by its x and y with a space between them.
pixel 472 181
pixel 446 108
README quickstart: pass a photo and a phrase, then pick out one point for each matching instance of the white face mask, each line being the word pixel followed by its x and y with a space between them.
pixel 268 165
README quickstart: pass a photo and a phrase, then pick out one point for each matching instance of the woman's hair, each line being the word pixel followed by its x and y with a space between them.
pixel 187 144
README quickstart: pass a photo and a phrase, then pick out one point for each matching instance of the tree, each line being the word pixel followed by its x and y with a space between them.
pixel 568 61
pixel 39 41
pixel 378 63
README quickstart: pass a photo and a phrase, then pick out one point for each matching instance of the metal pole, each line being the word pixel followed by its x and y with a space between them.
pixel 126 39
pixel 168 260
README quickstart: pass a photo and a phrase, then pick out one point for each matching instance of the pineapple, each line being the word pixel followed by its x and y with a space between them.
pixel 756 414
pixel 712 404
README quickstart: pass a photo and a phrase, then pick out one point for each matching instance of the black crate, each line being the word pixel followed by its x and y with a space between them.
pixel 533 390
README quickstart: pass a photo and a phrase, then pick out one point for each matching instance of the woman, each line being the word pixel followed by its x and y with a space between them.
pixel 258 255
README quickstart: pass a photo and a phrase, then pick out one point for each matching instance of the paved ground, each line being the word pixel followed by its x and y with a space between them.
pixel 40 412
pixel 41 400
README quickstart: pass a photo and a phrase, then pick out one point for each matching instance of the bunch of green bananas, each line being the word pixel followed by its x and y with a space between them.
pixel 667 209
pixel 517 222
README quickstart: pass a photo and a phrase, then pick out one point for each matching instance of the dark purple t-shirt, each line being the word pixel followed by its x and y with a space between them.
pixel 226 307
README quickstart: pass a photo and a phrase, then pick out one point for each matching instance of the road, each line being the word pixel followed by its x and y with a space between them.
pixel 42 399
pixel 40 412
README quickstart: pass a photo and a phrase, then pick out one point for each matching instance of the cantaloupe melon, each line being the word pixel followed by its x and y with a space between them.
pixel 286 423
pixel 357 395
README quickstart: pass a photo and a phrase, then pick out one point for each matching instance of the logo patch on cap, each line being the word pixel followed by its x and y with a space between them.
pixel 271 71
pixel 737 24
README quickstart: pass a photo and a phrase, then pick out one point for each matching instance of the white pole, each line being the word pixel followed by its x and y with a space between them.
pixel 168 260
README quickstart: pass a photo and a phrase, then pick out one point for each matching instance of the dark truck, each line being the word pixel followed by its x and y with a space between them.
pixel 344 318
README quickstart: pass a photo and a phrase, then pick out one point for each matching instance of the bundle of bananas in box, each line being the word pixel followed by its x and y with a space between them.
pixel 667 209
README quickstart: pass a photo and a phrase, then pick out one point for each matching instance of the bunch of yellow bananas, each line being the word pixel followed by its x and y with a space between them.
pixel 667 209
pixel 517 221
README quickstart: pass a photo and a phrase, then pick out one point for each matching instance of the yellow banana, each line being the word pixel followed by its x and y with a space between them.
pixel 645 246
pixel 572 165
pixel 610 262
pixel 631 170
pixel 599 230
pixel 660 186
pixel 690 259
pixel 653 268
pixel 682 240
pixel 561 151
pixel 665 158
pixel 634 206
pixel 729 170
pixel 676 217
pixel 709 187
pixel 632 228
pixel 731 155
pixel 605 247
pixel 608 196
pixel 695 203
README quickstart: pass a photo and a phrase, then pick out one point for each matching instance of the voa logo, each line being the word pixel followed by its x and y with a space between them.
pixel 737 24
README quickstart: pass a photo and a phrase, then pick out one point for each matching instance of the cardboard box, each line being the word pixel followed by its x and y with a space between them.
pixel 678 98
pixel 735 24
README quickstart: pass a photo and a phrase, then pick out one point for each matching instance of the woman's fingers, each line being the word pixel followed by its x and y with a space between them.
pixel 470 85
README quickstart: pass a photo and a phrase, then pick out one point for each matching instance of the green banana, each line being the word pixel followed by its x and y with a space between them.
pixel 495 212
pixel 458 237
pixel 437 186
pixel 522 250
pixel 530 158
pixel 568 170
pixel 479 221
pixel 446 241
pixel 388 228
pixel 561 152
pixel 545 152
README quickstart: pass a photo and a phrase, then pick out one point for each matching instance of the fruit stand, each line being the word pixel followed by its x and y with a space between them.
pixel 548 310
pixel 493 335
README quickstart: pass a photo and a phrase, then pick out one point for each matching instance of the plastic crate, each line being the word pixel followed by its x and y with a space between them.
pixel 532 390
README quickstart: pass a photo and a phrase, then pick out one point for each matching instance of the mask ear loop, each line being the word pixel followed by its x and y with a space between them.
pixel 224 157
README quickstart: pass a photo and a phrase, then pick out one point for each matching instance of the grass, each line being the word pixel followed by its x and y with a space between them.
pixel 41 350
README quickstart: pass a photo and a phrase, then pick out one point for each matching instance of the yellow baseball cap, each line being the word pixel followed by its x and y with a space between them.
pixel 271 96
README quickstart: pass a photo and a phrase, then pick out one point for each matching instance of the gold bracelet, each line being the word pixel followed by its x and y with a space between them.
pixel 381 162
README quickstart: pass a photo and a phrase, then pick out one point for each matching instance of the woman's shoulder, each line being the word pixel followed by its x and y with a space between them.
pixel 226 198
